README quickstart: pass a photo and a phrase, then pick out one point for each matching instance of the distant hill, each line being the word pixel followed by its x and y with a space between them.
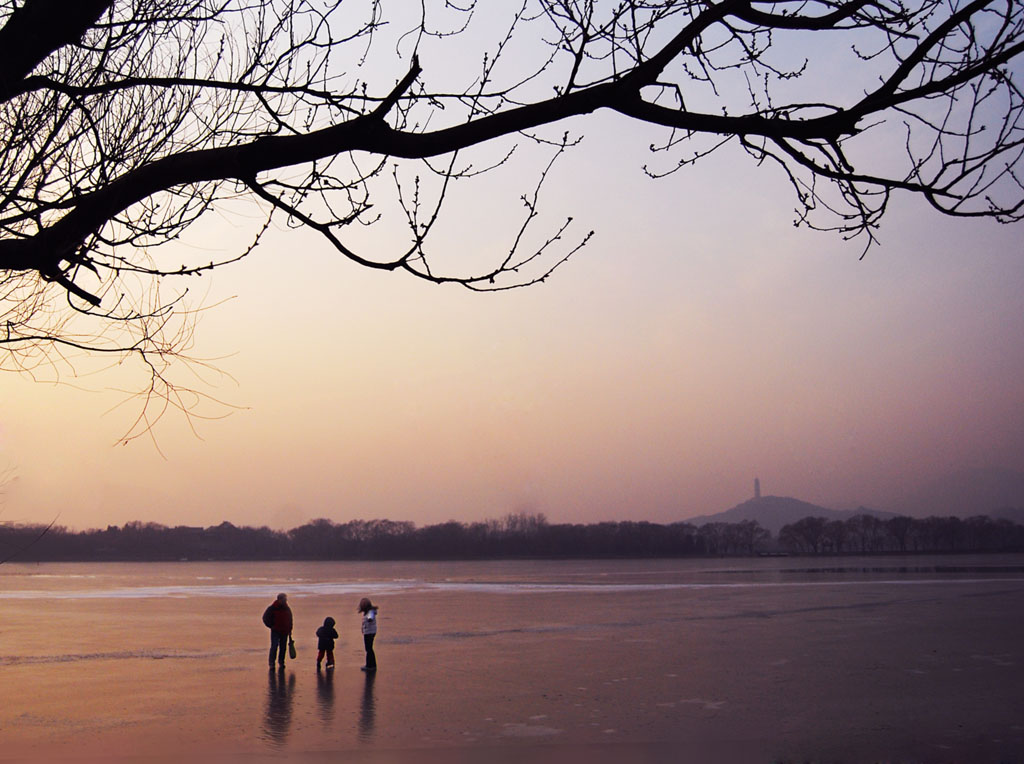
pixel 964 493
pixel 773 512
pixel 1013 514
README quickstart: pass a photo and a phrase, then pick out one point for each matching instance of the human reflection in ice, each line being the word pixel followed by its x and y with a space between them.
pixel 280 690
pixel 367 709
pixel 325 695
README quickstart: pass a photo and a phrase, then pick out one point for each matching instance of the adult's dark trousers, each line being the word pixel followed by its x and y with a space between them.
pixel 371 659
pixel 279 645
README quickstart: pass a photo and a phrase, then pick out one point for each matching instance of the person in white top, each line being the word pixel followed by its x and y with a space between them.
pixel 369 611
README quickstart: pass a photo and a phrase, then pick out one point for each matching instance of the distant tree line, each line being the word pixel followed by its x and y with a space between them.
pixel 867 534
pixel 519 535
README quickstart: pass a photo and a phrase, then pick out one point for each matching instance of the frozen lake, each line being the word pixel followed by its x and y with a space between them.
pixel 761 660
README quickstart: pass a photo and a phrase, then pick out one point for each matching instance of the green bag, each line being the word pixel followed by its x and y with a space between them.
pixel 291 648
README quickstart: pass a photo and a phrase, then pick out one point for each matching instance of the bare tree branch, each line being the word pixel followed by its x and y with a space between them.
pixel 126 121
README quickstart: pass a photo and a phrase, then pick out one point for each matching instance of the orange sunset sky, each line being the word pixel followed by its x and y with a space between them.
pixel 698 341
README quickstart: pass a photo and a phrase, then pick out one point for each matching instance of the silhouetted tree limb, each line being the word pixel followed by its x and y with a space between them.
pixel 126 121
pixel 10 549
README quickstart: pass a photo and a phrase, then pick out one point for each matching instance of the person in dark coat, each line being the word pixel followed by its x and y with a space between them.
pixel 325 636
pixel 278 618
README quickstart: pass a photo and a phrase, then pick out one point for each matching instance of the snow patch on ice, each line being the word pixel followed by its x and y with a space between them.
pixel 518 729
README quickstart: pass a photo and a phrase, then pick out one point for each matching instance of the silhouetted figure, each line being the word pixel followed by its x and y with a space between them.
pixel 369 611
pixel 279 707
pixel 367 709
pixel 325 696
pixel 325 636
pixel 278 618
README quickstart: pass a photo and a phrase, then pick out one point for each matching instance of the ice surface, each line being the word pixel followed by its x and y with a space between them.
pixel 609 661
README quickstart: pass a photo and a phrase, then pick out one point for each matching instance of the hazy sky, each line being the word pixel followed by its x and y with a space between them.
pixel 699 341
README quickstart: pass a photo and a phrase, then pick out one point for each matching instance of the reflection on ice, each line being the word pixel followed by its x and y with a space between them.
pixel 325 695
pixel 367 710
pixel 279 707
